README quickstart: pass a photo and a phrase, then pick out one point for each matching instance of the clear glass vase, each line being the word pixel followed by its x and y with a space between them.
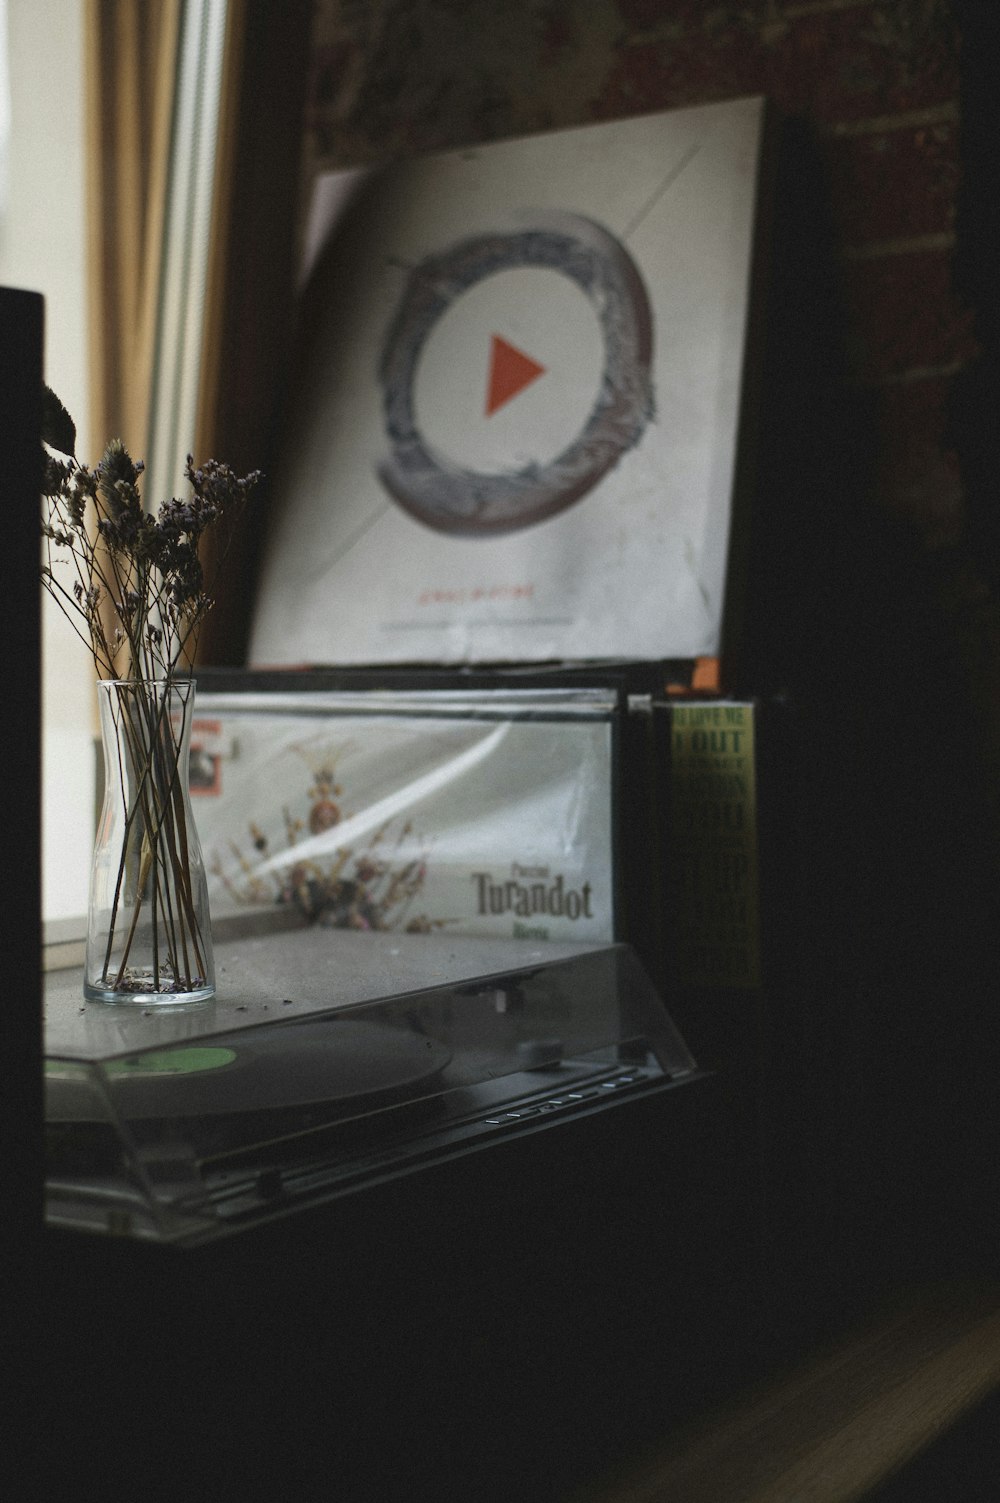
pixel 149 935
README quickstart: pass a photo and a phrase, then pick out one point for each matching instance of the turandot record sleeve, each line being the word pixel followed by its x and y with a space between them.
pixel 468 812
pixel 512 432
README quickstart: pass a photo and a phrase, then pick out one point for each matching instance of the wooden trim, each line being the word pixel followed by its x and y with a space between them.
pixel 842 1424
pixel 21 375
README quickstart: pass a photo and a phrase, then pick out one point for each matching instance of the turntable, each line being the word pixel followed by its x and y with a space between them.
pixel 330 1062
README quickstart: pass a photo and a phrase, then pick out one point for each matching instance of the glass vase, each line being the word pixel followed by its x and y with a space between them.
pixel 149 935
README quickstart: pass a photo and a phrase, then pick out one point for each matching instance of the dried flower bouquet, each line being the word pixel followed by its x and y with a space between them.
pixel 132 586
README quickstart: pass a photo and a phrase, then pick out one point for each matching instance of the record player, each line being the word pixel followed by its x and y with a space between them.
pixel 563 550
pixel 331 1061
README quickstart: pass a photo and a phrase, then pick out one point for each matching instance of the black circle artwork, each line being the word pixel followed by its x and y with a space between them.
pixel 471 503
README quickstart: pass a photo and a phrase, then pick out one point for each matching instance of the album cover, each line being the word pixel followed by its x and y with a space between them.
pixel 447 812
pixel 710 842
pixel 512 426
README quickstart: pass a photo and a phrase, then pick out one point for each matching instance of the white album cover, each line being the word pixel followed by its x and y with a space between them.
pixel 401 819
pixel 514 418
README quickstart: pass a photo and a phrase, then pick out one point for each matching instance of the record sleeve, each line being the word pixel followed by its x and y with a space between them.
pixel 463 811
pixel 512 430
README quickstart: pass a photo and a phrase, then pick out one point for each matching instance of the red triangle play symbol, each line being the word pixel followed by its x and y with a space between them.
pixel 511 370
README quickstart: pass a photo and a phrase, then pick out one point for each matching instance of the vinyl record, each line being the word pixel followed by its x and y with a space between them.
pixel 329 1062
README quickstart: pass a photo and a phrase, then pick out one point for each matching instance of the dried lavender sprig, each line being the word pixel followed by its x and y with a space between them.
pixel 141 571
